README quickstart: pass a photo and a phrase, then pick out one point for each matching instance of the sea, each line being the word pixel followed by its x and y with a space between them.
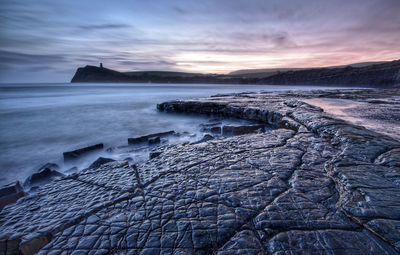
pixel 38 122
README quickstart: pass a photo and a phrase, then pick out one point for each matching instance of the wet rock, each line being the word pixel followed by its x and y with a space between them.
pixel 73 169
pixel 72 155
pixel 185 133
pixel 10 193
pixel 323 187
pixel 215 130
pixel 154 140
pixel 206 137
pixel 51 166
pixel 241 129
pixel 129 159
pixel 110 149
pixel 212 127
pixel 387 228
pixel 43 177
pixel 145 138
pixel 154 154
pixel 390 158
pixel 34 189
pixel 100 161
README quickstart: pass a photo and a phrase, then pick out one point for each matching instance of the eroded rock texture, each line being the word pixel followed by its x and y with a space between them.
pixel 314 185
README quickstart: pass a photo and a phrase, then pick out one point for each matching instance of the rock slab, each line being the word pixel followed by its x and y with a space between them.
pixel 317 185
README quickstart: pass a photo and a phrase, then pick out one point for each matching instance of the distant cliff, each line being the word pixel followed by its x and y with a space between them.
pixel 379 75
pixel 98 74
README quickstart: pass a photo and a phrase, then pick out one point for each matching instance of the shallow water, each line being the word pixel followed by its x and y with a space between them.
pixel 38 122
pixel 381 118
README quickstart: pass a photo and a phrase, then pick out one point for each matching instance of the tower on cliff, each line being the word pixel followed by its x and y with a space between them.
pixel 101 65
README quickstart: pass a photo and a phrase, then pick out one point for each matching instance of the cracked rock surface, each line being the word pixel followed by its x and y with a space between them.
pixel 313 185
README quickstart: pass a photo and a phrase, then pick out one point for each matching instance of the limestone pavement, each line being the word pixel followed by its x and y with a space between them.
pixel 312 185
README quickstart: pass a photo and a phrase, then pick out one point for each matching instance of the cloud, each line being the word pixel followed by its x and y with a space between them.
pixel 179 10
pixel 199 36
pixel 8 57
pixel 104 26
pixel 146 63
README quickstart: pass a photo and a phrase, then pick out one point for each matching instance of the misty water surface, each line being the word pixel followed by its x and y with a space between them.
pixel 38 122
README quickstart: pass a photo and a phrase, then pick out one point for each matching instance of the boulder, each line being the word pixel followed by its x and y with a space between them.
pixel 241 129
pixel 72 155
pixel 100 161
pixel 40 178
pixel 206 137
pixel 10 193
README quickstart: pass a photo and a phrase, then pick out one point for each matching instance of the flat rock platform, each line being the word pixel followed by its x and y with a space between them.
pixel 313 184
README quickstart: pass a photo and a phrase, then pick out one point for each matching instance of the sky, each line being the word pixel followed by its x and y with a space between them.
pixel 46 40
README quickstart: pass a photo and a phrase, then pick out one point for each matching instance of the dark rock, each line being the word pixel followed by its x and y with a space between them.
pixel 45 176
pixel 145 138
pixel 110 149
pixel 34 189
pixel 72 170
pixel 154 154
pixel 211 127
pixel 11 189
pixel 211 124
pixel 100 161
pixel 154 140
pixel 206 137
pixel 272 117
pixel 10 193
pixel 51 166
pixel 72 155
pixel 215 130
pixel 129 159
pixel 240 129
pixel 390 158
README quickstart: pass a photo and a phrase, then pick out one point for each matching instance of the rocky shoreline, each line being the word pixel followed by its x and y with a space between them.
pixel 312 184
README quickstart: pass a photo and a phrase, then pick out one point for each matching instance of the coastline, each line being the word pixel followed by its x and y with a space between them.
pixel 313 177
pixel 383 75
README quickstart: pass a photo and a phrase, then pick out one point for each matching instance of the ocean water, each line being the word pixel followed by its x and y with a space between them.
pixel 38 122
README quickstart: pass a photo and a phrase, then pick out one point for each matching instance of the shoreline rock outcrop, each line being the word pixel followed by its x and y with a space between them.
pixel 11 193
pixel 314 184
pixel 75 154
